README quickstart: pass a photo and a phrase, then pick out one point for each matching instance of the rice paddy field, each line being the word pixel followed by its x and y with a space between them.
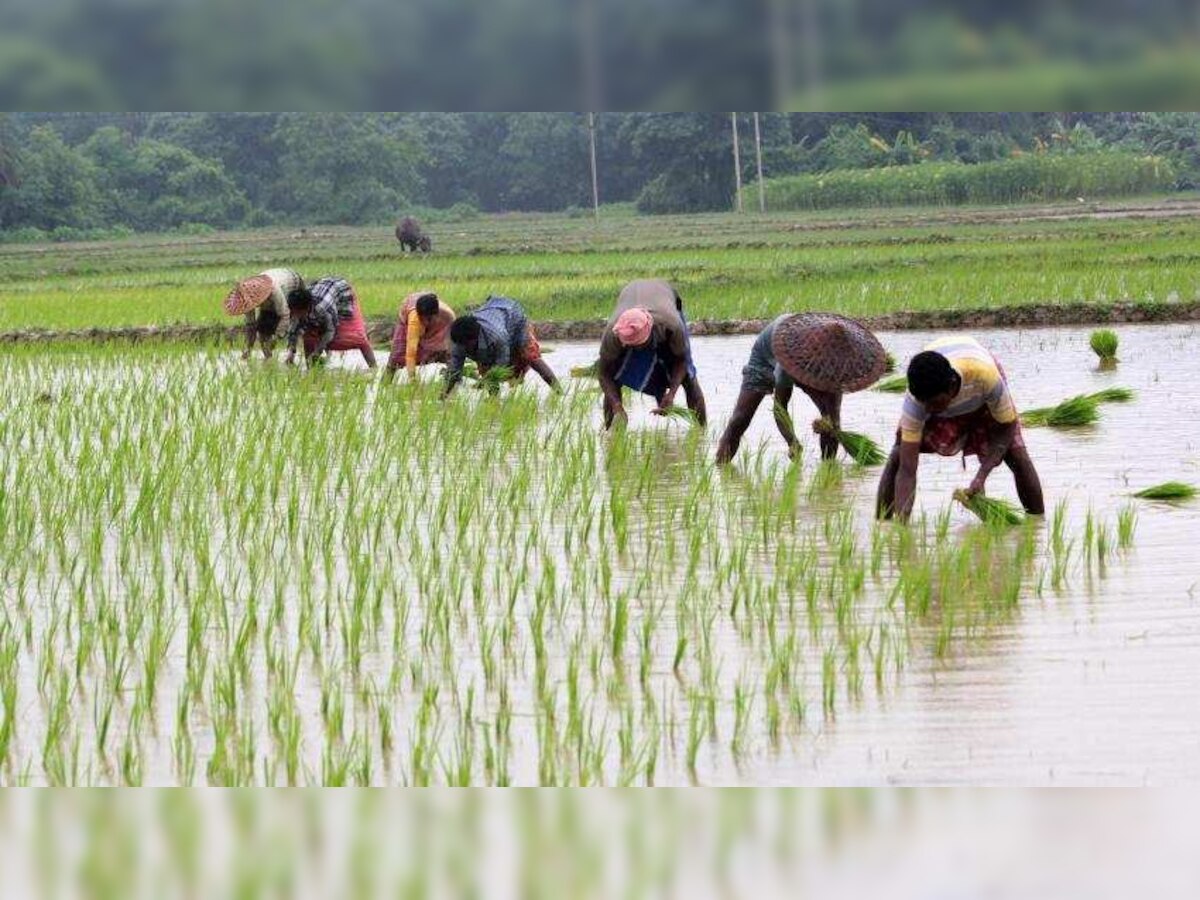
pixel 726 266
pixel 231 574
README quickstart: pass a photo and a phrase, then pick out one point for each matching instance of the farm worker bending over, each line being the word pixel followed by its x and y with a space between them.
pixel 262 299
pixel 422 333
pixel 826 355
pixel 329 317
pixel 957 402
pixel 496 334
pixel 646 346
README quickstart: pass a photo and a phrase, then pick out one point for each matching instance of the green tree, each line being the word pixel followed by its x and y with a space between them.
pixel 340 168
pixel 546 161
pixel 151 184
pixel 692 153
pixel 56 186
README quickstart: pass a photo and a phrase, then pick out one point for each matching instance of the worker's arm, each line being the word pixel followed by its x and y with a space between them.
pixel 906 479
pixel 458 358
pixel 783 421
pixel 396 358
pixel 327 318
pixel 675 376
pixel 1000 438
pixel 611 390
pixel 251 333
pixel 416 331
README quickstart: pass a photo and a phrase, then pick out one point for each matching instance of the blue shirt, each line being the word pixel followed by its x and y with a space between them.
pixel 503 332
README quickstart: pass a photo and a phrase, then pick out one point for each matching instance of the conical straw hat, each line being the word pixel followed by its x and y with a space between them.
pixel 249 294
pixel 828 352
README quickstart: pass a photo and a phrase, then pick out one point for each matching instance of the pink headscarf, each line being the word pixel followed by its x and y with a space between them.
pixel 633 327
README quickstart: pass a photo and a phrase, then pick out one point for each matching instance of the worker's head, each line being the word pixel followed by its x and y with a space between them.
pixel 427 307
pixel 465 332
pixel 634 327
pixel 299 300
pixel 933 381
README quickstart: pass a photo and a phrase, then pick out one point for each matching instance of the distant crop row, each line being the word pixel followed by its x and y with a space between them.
pixel 1020 179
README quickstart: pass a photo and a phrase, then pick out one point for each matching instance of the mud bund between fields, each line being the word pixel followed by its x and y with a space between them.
pixel 1045 315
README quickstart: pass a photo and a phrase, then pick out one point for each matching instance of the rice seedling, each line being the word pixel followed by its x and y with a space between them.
pixel 1176 491
pixel 1103 342
pixel 1112 395
pixel 889 363
pixel 1074 412
pixel 1126 525
pixel 861 448
pixel 552 606
pixel 589 371
pixel 683 414
pixel 897 384
pixel 991 510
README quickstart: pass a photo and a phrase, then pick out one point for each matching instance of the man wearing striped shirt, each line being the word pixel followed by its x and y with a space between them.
pixel 958 401
pixel 329 318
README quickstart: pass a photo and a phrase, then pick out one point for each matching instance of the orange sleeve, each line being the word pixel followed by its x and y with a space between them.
pixel 415 331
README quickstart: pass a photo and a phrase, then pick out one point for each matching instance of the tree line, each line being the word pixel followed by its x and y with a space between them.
pixel 70 173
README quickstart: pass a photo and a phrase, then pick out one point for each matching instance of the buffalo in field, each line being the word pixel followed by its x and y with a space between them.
pixel 411 237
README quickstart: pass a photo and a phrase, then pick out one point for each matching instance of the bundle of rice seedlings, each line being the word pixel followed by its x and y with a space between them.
pixel 1168 490
pixel 989 509
pixel 1112 395
pixel 1104 343
pixel 588 371
pixel 889 363
pixel 1071 413
pixel 682 412
pixel 861 448
pixel 897 384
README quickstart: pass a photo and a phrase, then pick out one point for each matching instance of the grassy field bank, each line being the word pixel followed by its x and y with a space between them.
pixel 726 266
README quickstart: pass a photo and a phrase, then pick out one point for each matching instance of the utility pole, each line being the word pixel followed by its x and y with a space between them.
pixel 595 180
pixel 762 197
pixel 737 162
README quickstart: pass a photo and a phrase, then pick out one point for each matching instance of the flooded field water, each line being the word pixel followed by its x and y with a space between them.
pixel 1095 685
pixel 399 604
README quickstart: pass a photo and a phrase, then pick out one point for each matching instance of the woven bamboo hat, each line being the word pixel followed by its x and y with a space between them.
pixel 250 293
pixel 828 352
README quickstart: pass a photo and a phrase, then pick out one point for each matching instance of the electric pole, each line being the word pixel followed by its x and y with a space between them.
pixel 737 162
pixel 595 179
pixel 762 197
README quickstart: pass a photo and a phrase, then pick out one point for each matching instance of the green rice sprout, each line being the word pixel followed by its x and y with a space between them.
pixel 1113 395
pixel 897 384
pixel 682 413
pixel 591 370
pixel 1103 342
pixel 990 510
pixel 1074 412
pixel 1168 490
pixel 889 363
pixel 861 448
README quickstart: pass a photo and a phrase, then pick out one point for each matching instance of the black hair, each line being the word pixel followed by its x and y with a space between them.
pixel 267 322
pixel 427 305
pixel 464 330
pixel 930 374
pixel 300 298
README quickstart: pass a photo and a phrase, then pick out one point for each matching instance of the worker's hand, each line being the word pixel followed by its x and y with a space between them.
pixel 795 451
pixel 977 485
pixel 620 418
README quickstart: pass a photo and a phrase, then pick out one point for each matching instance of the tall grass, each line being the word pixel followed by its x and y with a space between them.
pixel 1033 177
